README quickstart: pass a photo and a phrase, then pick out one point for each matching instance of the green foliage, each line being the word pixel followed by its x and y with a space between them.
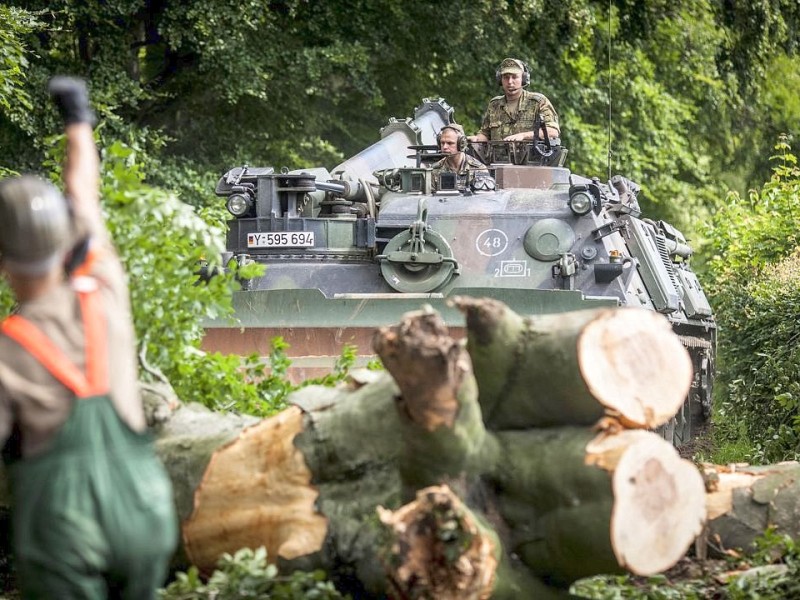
pixel 15 25
pixel 208 84
pixel 778 555
pixel 247 576
pixel 755 273
pixel 657 587
pixel 6 299
pixel 729 440
pixel 249 385
pixel 162 242
pixel 642 95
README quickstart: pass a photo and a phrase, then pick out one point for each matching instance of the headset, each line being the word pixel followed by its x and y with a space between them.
pixel 461 142
pixel 526 72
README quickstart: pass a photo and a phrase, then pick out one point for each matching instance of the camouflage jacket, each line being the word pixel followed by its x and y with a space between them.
pixel 498 122
pixel 468 169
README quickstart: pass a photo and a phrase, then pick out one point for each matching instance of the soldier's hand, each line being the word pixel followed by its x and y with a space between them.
pixel 72 99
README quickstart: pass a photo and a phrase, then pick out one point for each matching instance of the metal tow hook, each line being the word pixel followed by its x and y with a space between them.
pixel 565 269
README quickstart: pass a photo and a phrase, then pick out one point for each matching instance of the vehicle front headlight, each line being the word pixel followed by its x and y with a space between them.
pixel 580 203
pixel 239 205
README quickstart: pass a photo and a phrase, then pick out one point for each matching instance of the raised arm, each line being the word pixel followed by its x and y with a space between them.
pixel 81 169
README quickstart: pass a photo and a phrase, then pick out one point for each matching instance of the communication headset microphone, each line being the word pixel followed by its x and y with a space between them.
pixel 526 72
pixel 461 142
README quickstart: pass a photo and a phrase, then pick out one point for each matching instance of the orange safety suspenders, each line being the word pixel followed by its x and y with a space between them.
pixel 31 338
pixel 85 267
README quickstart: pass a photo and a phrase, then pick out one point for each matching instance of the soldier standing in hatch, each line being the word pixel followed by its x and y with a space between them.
pixel 512 116
pixel 92 506
pixel 452 142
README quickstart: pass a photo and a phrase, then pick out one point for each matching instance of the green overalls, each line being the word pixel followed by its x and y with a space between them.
pixel 93 516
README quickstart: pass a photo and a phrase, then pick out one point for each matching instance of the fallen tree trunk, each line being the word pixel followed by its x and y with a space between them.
pixel 537 500
pixel 542 506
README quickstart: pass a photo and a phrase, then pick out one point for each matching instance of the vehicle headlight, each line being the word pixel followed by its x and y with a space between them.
pixel 239 205
pixel 580 203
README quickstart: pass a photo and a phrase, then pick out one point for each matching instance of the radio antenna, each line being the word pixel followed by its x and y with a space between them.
pixel 609 89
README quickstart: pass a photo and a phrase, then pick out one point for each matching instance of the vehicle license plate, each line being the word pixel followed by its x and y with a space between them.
pixel 281 239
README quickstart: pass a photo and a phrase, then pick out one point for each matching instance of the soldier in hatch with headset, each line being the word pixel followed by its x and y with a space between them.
pixel 512 116
pixel 467 171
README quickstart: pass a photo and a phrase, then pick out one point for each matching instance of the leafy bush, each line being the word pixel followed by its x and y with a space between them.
pixel 249 385
pixel 247 576
pixel 755 287
pixel 162 242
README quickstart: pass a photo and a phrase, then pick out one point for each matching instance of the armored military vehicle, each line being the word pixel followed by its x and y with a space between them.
pixel 354 248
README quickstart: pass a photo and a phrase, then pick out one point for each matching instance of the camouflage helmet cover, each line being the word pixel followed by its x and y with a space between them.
pixel 34 225
pixel 511 65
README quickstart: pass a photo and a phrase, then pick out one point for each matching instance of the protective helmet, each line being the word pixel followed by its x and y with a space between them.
pixel 34 225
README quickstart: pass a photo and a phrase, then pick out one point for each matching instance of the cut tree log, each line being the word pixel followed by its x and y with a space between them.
pixel 578 503
pixel 574 368
pixel 562 493
pixel 306 484
pixel 743 501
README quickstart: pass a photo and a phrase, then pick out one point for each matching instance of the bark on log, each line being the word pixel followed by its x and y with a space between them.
pixel 442 432
pixel 743 501
pixel 578 503
pixel 574 368
pixel 564 516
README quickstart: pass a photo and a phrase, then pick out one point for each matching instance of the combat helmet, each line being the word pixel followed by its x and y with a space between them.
pixel 34 225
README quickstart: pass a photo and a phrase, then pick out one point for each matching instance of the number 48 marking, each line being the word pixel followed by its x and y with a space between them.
pixel 491 242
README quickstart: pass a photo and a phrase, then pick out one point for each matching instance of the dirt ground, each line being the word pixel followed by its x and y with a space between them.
pixel 701 444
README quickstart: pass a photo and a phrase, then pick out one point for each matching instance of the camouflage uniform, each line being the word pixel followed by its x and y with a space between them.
pixel 499 122
pixel 468 169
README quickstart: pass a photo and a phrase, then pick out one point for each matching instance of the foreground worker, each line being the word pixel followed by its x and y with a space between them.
pixel 93 514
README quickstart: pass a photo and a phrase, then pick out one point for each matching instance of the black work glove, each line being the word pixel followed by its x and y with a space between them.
pixel 72 99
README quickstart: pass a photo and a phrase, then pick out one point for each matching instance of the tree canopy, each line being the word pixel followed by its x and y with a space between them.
pixel 682 98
